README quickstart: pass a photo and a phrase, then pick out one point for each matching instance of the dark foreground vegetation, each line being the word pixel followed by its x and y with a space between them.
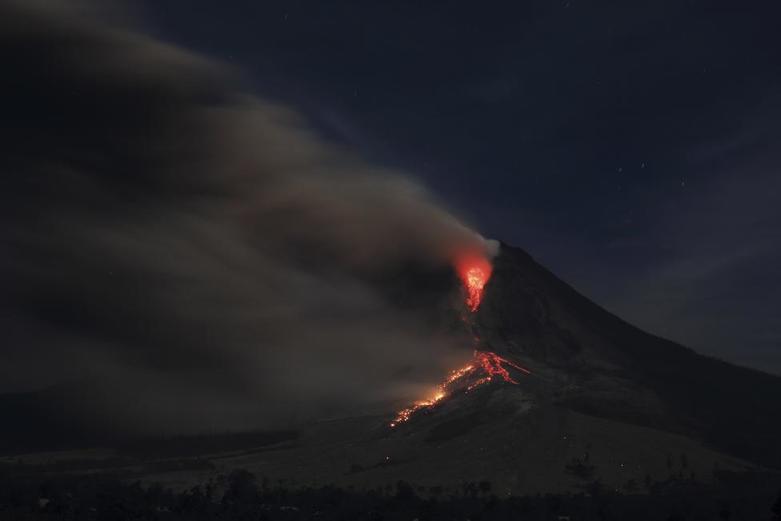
pixel 240 496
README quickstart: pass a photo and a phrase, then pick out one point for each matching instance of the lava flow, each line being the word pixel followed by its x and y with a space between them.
pixel 485 366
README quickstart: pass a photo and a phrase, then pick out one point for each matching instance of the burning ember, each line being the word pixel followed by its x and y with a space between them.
pixel 485 366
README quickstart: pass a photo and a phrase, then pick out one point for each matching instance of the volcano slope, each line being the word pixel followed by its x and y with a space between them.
pixel 604 402
pixel 605 367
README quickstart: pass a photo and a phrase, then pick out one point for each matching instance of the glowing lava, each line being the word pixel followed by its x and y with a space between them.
pixel 493 365
pixel 474 271
pixel 442 391
pixel 485 366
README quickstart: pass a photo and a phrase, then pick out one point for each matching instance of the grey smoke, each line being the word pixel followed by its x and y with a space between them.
pixel 201 252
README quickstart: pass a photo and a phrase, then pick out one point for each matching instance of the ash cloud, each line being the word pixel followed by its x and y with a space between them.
pixel 199 254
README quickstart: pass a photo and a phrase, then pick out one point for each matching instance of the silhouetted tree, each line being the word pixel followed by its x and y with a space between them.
pixel 581 469
pixel 404 491
pixel 725 512
pixel 776 508
pixel 241 486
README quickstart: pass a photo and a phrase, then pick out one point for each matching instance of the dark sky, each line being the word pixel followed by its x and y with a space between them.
pixel 629 146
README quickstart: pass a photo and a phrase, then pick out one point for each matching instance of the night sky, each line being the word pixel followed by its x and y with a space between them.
pixel 629 147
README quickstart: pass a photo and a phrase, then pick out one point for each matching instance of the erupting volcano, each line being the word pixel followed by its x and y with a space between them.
pixel 474 272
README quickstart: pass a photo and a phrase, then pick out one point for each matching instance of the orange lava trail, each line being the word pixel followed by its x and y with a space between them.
pixel 493 365
pixel 442 391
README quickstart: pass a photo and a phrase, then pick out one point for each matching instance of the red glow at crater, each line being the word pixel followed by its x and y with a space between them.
pixel 474 271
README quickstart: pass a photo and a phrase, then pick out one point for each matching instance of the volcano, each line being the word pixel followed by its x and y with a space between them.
pixel 597 399
pixel 560 394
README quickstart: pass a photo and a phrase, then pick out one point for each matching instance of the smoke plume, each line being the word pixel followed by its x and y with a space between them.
pixel 201 253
